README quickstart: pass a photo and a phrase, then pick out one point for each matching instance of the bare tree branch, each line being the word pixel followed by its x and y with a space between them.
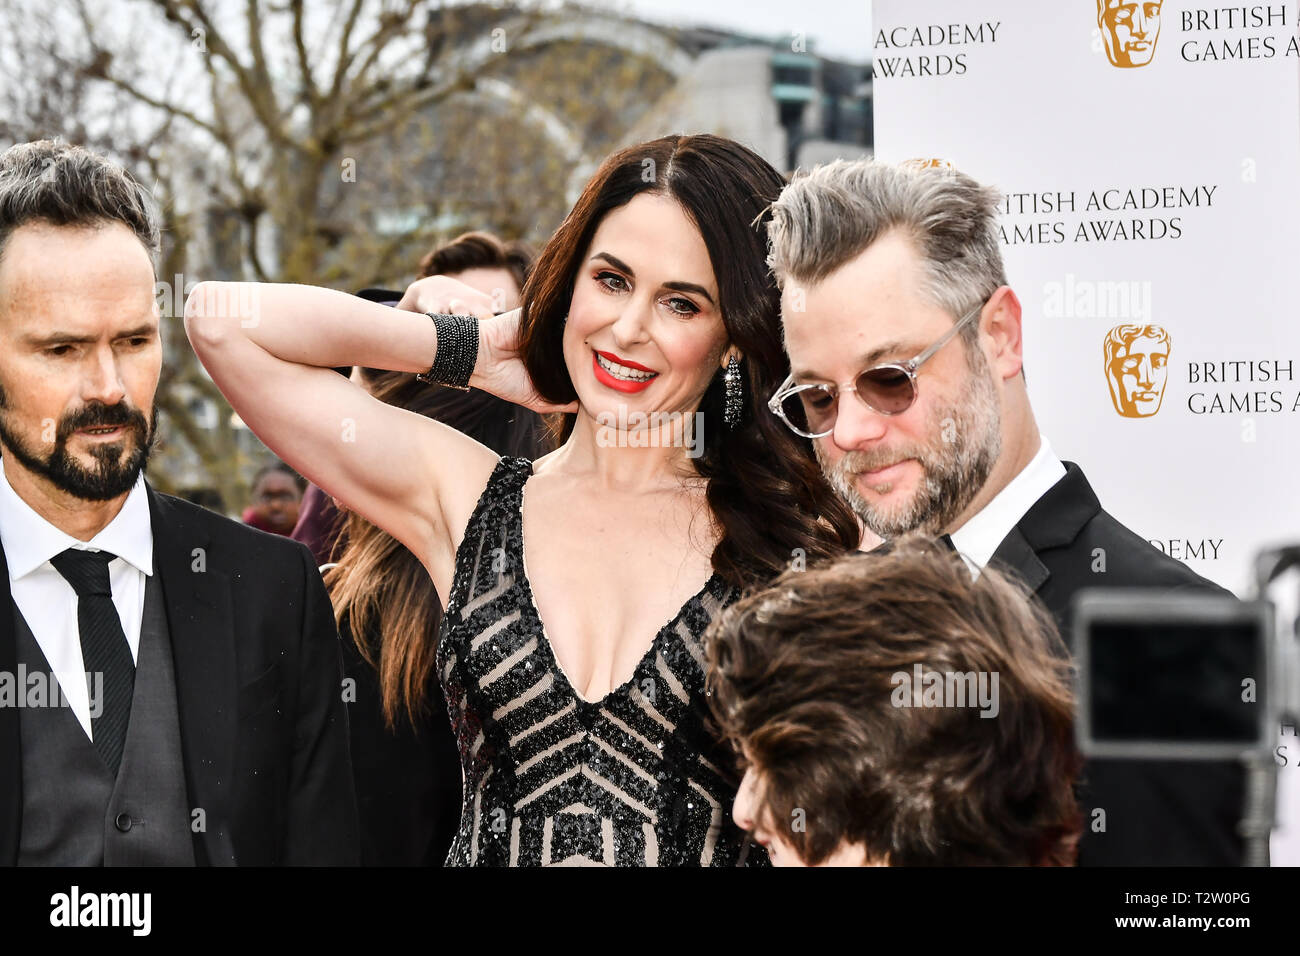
pixel 100 68
pixel 309 90
pixel 345 54
pixel 256 89
pixel 261 76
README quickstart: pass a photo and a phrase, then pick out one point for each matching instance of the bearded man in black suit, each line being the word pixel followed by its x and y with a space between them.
pixel 906 372
pixel 169 679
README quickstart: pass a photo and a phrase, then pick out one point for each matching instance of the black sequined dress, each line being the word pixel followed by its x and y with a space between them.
pixel 633 779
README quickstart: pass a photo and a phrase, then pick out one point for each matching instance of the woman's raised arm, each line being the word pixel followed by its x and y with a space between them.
pixel 271 349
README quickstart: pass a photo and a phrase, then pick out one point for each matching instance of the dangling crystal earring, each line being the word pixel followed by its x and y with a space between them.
pixel 734 393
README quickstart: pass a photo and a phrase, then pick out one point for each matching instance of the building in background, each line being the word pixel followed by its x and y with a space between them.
pixel 509 149
pixel 776 95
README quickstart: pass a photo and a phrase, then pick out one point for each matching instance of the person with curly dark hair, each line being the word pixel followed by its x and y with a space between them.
pixel 892 710
pixel 651 320
pixel 485 261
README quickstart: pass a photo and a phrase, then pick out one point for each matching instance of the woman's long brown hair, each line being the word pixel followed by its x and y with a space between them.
pixel 765 488
pixel 379 589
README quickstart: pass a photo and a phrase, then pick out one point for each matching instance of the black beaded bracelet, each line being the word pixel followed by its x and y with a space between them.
pixel 457 353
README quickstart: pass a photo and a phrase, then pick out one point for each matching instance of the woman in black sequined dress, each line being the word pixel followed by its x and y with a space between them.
pixel 578 587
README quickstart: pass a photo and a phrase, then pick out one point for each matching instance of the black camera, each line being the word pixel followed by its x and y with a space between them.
pixel 1164 676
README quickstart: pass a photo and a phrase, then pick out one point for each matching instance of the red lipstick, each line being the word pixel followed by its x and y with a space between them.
pixel 627 363
pixel 619 384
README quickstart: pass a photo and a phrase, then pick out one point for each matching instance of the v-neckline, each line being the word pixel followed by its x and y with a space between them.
pixel 536 613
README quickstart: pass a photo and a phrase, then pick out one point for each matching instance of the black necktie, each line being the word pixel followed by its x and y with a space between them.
pixel 104 649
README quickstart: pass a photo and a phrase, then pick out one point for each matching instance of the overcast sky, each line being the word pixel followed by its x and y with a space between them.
pixel 840 28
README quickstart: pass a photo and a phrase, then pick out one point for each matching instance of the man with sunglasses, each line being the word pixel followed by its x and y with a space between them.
pixel 906 372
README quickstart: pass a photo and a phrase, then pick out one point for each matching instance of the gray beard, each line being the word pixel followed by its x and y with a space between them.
pixel 954 470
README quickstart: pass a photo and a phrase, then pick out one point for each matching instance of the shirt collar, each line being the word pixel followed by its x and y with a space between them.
pixel 30 540
pixel 978 539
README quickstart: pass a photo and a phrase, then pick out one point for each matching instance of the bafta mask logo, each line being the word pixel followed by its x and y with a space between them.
pixel 928 163
pixel 1137 366
pixel 1129 29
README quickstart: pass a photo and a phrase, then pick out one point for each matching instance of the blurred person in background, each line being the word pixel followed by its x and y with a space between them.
pixel 481 260
pixel 890 710
pixel 276 495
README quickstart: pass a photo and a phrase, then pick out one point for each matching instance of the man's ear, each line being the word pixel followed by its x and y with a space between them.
pixel 1000 322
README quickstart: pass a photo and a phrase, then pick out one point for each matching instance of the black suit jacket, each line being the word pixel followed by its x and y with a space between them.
pixel 1156 813
pixel 263 725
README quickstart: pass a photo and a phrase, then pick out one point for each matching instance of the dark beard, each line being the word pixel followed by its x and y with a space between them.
pixel 954 471
pixel 114 476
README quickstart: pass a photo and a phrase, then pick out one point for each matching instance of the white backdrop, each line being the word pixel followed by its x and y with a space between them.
pixel 1153 179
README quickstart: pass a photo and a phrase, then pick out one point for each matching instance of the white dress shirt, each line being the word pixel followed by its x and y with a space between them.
pixel 978 538
pixel 47 601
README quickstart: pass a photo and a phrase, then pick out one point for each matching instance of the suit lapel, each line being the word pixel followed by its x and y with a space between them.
pixel 200 619
pixel 1054 521
pixel 1015 552
pixel 11 763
